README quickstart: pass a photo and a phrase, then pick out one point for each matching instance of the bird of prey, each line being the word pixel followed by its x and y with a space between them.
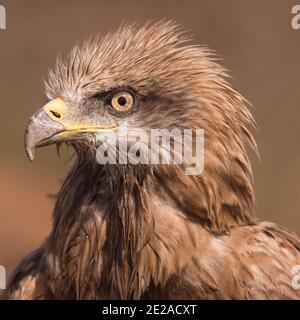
pixel 151 231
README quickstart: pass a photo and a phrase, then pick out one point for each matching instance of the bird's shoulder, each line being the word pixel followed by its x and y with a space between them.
pixel 250 262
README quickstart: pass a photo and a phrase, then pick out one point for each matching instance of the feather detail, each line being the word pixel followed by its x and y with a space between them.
pixel 152 232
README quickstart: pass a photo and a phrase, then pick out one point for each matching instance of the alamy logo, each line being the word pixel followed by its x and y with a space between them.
pixel 296 17
pixel 153 146
pixel 2 278
pixel 296 279
pixel 2 18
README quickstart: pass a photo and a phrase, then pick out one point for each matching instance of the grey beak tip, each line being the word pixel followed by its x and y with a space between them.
pixel 29 148
pixel 29 152
pixel 39 131
pixel 31 156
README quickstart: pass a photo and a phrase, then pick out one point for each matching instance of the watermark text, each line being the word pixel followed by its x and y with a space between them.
pixel 296 17
pixel 2 278
pixel 2 18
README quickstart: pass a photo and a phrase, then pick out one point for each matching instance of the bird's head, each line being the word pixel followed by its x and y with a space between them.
pixel 139 76
pixel 149 78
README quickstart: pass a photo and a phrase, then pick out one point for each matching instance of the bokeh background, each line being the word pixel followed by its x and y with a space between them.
pixel 254 37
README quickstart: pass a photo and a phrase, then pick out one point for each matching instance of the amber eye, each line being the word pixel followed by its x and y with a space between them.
pixel 122 101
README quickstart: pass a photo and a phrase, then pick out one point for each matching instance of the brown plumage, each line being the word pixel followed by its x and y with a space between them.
pixel 142 231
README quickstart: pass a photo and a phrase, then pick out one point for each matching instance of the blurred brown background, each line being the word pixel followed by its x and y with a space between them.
pixel 259 47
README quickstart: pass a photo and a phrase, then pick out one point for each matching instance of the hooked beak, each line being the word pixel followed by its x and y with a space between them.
pixel 52 124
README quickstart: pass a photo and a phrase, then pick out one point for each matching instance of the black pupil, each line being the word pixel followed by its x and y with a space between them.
pixel 122 101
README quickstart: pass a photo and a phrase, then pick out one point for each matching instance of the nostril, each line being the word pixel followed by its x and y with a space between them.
pixel 56 114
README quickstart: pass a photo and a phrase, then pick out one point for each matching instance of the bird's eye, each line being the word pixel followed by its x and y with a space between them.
pixel 122 101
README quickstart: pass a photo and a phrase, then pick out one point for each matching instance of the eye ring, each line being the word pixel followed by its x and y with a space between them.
pixel 122 101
